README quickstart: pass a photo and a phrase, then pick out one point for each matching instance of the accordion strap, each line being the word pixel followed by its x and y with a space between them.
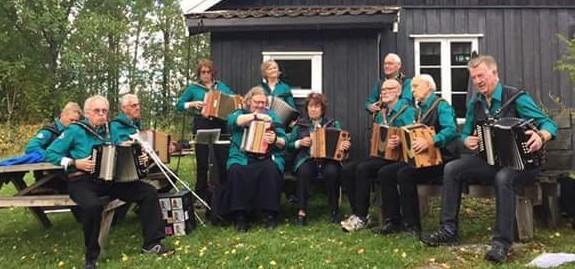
pixel 431 109
pixel 401 110
pixel 508 102
pixel 90 130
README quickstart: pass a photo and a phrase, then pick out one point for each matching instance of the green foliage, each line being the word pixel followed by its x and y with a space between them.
pixel 13 138
pixel 55 51
pixel 567 62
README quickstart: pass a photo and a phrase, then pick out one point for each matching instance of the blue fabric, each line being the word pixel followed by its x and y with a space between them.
pixel 32 157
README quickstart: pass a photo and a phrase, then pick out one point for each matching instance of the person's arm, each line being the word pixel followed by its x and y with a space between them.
pixel 292 139
pixel 185 101
pixel 58 152
pixel 373 96
pixel 39 142
pixel 527 109
pixel 468 127
pixel 448 132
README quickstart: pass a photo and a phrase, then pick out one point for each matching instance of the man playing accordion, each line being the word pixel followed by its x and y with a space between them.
pixel 254 179
pixel 494 100
pixel 73 149
pixel 434 112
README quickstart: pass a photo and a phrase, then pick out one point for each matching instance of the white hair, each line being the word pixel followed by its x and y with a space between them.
pixel 427 78
pixel 127 98
pixel 92 99
pixel 393 56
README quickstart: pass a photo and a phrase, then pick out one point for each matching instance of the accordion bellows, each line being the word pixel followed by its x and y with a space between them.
pixel 285 112
pixel 380 134
pixel 117 163
pixel 326 143
pixel 220 105
pixel 253 137
pixel 429 157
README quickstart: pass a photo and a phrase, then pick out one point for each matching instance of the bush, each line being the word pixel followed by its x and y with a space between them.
pixel 14 138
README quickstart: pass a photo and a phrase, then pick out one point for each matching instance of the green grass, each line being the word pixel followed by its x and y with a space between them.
pixel 25 244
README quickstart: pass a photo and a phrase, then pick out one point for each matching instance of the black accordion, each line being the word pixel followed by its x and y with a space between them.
pixel 503 143
pixel 118 163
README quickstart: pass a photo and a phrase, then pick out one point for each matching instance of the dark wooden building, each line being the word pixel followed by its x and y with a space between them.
pixel 336 47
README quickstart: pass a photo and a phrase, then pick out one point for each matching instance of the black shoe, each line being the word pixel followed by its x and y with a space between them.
pixel 388 228
pixel 440 237
pixel 241 224
pixel 413 231
pixel 497 253
pixel 335 218
pixel 271 222
pixel 90 264
pixel 301 220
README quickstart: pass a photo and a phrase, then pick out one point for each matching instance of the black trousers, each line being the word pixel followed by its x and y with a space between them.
pixel 358 185
pixel 504 180
pixel 387 176
pixel 311 169
pixel 86 192
pixel 408 177
pixel 256 186
pixel 220 157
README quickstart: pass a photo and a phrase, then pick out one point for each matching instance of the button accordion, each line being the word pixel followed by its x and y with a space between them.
pixel 429 157
pixel 326 143
pixel 285 112
pixel 253 137
pixel 118 163
pixel 380 134
pixel 220 105
pixel 503 143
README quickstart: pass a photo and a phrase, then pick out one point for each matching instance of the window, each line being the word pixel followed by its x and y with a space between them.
pixel 301 70
pixel 445 58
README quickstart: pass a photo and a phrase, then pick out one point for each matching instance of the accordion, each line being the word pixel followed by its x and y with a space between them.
pixel 159 141
pixel 118 163
pixel 379 137
pixel 286 113
pixel 253 137
pixel 220 105
pixel 503 143
pixel 429 157
pixel 326 143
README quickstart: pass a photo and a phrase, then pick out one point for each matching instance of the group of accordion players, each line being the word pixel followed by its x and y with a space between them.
pixel 414 140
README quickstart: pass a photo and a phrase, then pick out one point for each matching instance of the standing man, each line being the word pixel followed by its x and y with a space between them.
pixel 391 70
pixel 490 103
pixel 73 150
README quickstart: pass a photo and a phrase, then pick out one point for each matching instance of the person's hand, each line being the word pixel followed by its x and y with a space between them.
pixel 143 159
pixel 264 117
pixel 393 141
pixel 85 165
pixel 305 142
pixel 196 104
pixel 535 142
pixel 420 145
pixel 374 107
pixel 345 145
pixel 471 142
pixel 270 137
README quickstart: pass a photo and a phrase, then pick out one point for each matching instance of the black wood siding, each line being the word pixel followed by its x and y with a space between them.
pixel 349 69
pixel 404 3
pixel 524 42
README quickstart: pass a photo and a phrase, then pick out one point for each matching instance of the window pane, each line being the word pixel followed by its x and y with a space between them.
pixel 458 103
pixel 296 73
pixel 435 73
pixel 459 79
pixel 430 53
pixel 460 53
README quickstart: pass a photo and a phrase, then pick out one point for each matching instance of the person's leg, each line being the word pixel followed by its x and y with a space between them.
pixel 366 170
pixel 268 192
pixel 202 155
pixel 408 178
pixel 331 171
pixel 304 173
pixel 387 176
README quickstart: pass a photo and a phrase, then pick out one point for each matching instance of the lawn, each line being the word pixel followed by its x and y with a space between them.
pixel 25 244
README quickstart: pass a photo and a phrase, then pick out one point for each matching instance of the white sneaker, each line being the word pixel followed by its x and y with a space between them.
pixel 349 219
pixel 354 224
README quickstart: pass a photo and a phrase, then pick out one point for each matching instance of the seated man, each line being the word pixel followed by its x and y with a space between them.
pixel 494 100
pixel 44 137
pixel 128 121
pixel 254 181
pixel 73 149
pixel 305 167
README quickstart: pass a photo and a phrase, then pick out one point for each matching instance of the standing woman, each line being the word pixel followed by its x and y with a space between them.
pixel 307 168
pixel 272 84
pixel 193 99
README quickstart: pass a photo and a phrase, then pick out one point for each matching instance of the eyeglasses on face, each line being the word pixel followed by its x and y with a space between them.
pixel 134 105
pixel 100 110
pixel 205 71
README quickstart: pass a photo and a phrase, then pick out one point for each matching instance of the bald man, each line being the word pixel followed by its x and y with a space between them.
pixel 391 69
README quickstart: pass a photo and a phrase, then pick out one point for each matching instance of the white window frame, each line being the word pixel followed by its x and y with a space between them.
pixel 316 67
pixel 445 63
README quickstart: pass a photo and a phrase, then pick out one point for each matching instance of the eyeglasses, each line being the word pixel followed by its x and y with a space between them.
pixel 259 102
pixel 388 90
pixel 100 110
pixel 205 71
pixel 135 105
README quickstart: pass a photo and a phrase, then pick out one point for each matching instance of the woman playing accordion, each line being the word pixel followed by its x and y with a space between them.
pixel 432 111
pixel 254 179
pixel 306 167
pixel 193 99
